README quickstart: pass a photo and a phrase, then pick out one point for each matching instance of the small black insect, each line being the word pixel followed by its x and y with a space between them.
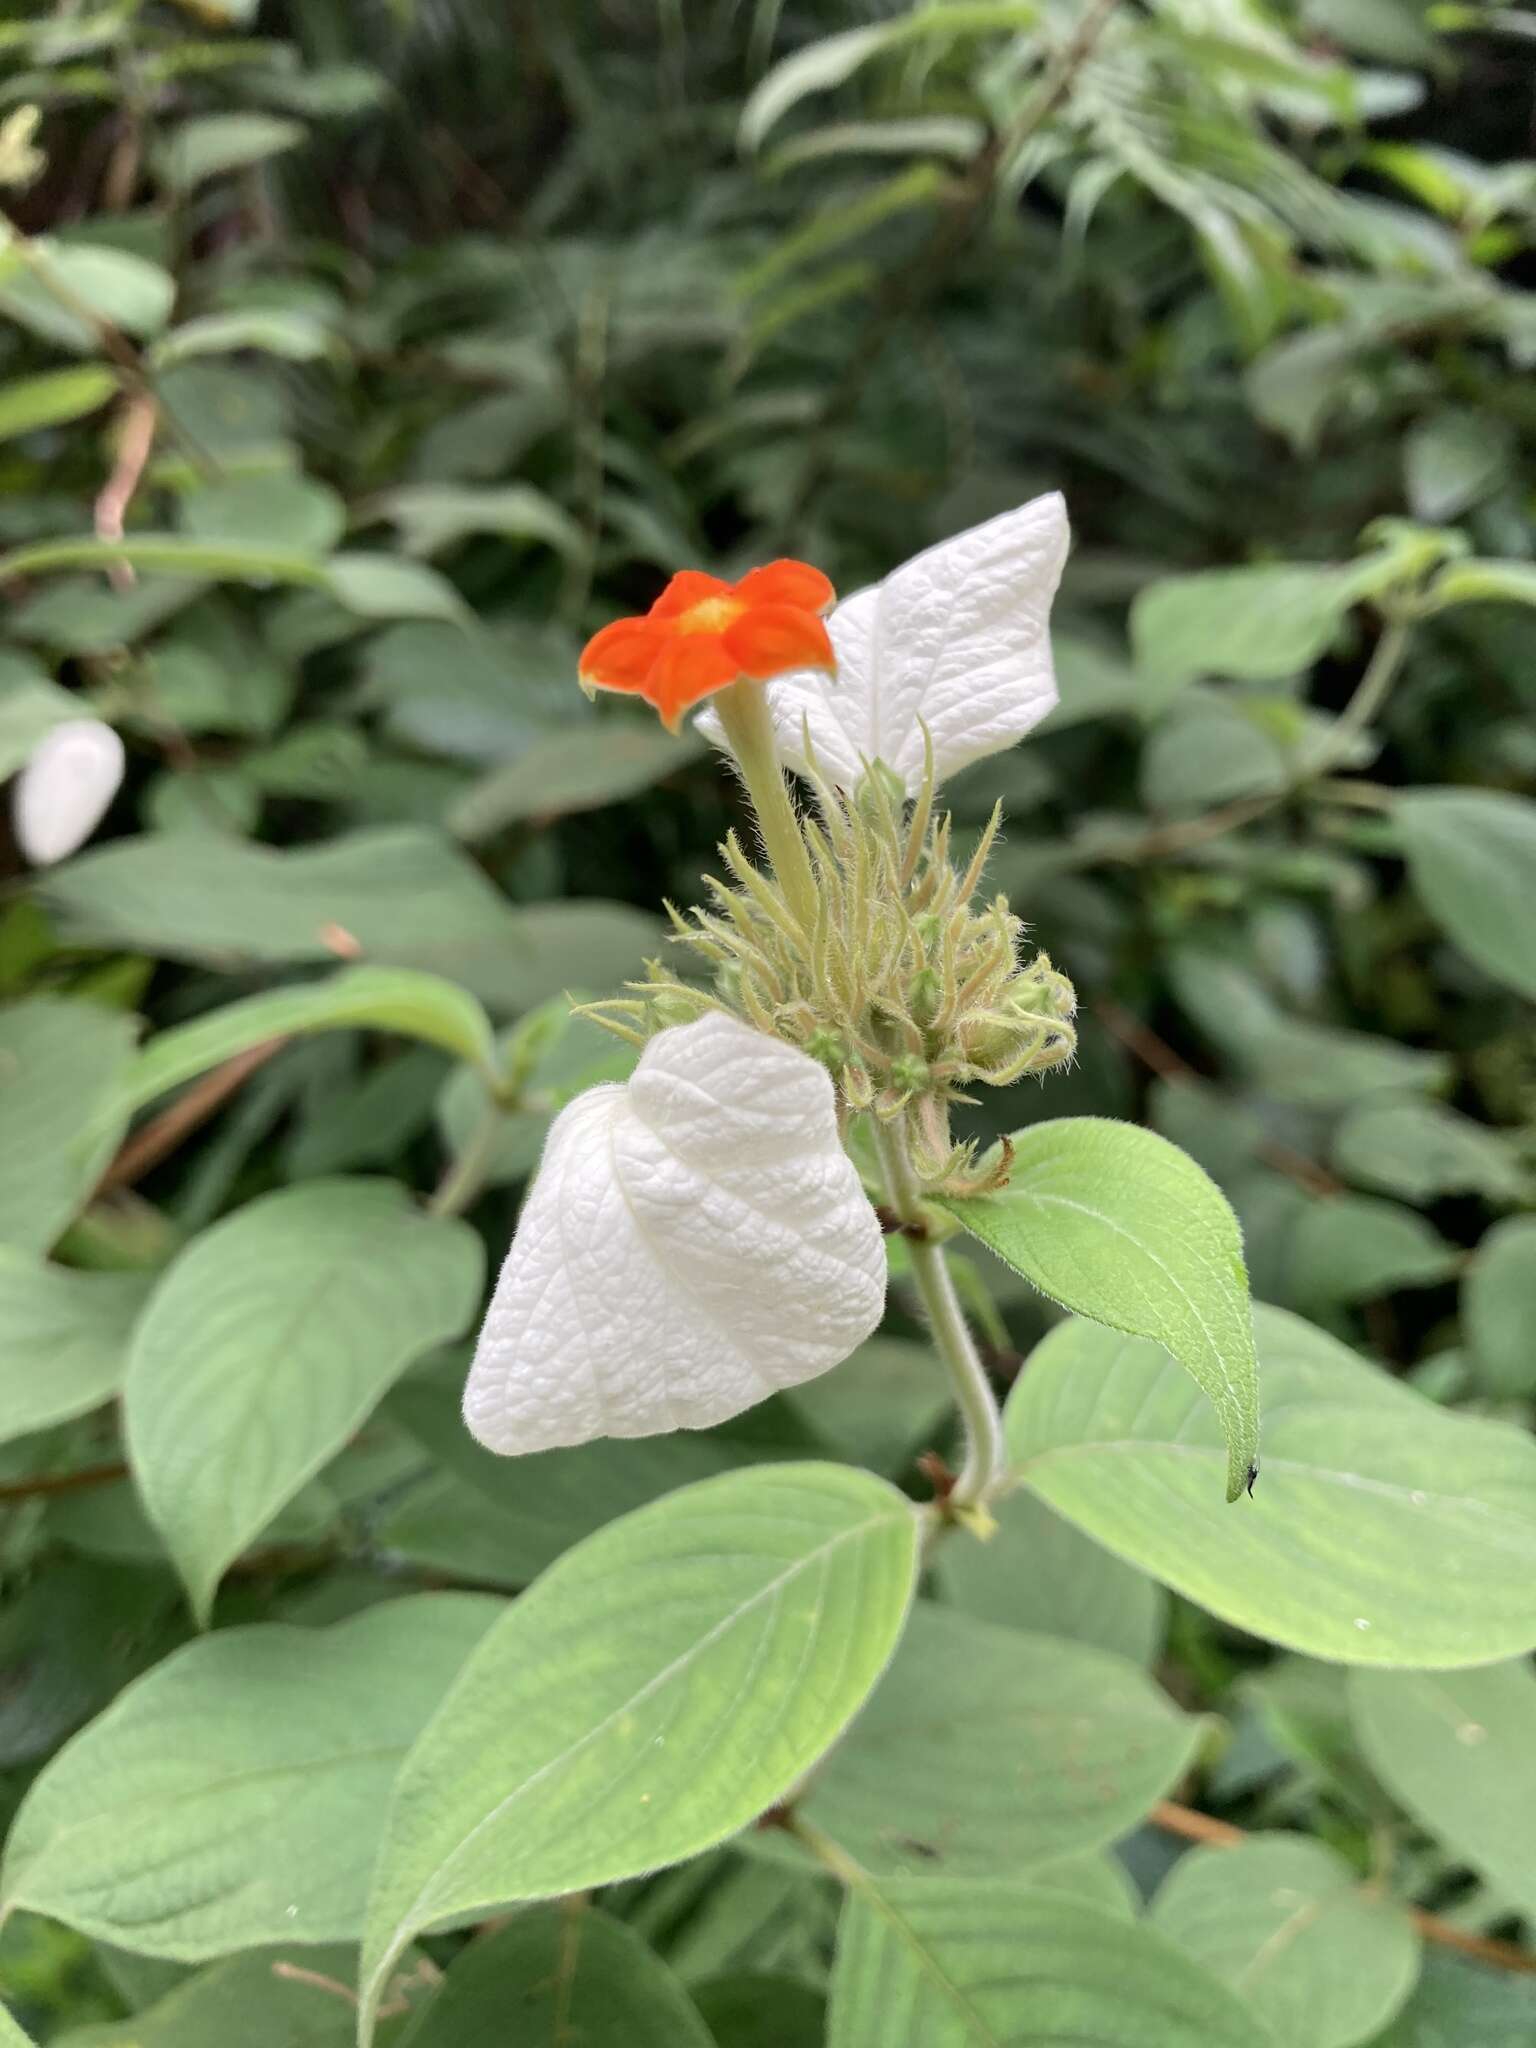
pixel 1253 1473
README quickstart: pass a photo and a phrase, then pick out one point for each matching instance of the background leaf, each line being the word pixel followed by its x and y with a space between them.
pixel 63 1339
pixel 268 1342
pixel 234 1795
pixel 925 1963
pixel 1323 1961
pixel 555 1974
pixel 59 1068
pixel 1472 856
pixel 989 1751
pixel 1455 1748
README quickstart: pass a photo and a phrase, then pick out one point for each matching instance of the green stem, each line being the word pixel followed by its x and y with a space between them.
pixel 468 1168
pixel 986 1457
pixel 748 727
pixel 1370 694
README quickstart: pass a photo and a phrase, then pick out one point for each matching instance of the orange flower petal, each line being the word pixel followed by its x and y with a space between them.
pixel 687 588
pixel 795 583
pixel 622 655
pixel 774 637
pixel 689 668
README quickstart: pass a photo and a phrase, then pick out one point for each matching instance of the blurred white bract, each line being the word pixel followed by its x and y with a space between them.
pixel 957 640
pixel 62 793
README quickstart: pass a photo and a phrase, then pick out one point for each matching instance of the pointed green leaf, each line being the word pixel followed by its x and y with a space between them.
pixel 1115 1223
pixel 656 1690
pixel 1381 1529
pixel 1499 1307
pixel 268 1341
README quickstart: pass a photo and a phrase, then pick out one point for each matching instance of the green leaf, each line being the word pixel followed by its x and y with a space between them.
pixel 11 2035
pixel 1207 751
pixel 1472 856
pixel 266 2000
pixel 119 289
pixel 827 62
pixel 431 517
pixel 1115 1223
pixel 1499 1308
pixel 556 1976
pixel 1246 624
pixel 396 999
pixel 1419 1150
pixel 1454 459
pixel 1039 1572
pixel 265 1345
pixel 30 705
pixel 245 511
pixel 1381 1530
pixel 169 554
pixel 60 1064
pixel 929 1963
pixel 401 895
pixel 501 1521
pixel 1291 1058
pixel 233 1796
pixel 63 1339
pixel 578 770
pixel 659 1687
pixel 386 587
pixel 297 337
pixel 878 1409
pixel 210 145
pixel 1464 2005
pixel 1455 1748
pixel 1479 582
pixel 755 2010
pixel 1324 1961
pixel 1348 1248
pixel 987 1751
pixel 54 398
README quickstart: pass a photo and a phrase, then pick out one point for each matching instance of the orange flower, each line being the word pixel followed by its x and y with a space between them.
pixel 701 635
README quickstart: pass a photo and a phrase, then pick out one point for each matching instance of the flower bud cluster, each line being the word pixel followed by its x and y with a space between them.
pixel 909 989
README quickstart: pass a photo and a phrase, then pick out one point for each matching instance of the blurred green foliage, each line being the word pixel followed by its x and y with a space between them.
pixel 356 361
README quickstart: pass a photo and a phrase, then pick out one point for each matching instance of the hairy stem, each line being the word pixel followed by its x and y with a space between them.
pixel 986 1458
pixel 748 726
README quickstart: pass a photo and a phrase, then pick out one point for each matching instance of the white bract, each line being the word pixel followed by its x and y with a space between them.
pixel 957 640
pixel 694 1240
pixel 62 794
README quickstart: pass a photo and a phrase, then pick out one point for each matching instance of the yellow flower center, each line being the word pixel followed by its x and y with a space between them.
pixel 710 615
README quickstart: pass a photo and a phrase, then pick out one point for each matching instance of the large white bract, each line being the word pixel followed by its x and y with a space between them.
pixel 957 640
pixel 62 794
pixel 694 1240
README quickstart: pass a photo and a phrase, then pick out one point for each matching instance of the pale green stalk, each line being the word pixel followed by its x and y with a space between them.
pixel 986 1457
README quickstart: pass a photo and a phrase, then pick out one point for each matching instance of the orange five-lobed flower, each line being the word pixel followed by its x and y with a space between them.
pixel 702 635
